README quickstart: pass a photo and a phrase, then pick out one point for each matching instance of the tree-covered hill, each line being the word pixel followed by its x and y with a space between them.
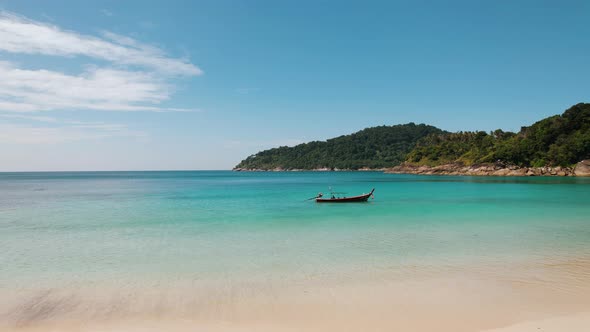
pixel 376 147
pixel 560 140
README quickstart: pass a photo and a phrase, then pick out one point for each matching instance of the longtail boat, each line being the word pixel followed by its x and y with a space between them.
pixel 360 198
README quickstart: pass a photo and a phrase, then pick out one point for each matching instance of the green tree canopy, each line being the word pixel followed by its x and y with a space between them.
pixel 560 140
pixel 375 147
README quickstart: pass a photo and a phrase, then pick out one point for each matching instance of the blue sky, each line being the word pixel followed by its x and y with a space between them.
pixel 131 85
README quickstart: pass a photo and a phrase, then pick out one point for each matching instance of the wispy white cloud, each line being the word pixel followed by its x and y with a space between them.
pixel 29 134
pixel 136 77
pixel 106 12
pixel 53 130
pixel 23 90
pixel 70 123
pixel 22 35
pixel 29 117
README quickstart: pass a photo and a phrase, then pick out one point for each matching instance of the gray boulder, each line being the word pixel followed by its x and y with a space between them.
pixel 582 168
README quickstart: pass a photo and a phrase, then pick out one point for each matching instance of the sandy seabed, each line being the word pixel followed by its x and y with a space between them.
pixel 535 296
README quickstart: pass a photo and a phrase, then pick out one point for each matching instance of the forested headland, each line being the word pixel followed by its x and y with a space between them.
pixel 557 141
pixel 370 148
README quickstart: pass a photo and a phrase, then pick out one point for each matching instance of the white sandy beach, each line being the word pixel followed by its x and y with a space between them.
pixel 570 323
pixel 539 297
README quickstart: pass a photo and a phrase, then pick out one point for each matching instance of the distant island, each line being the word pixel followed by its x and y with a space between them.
pixel 558 145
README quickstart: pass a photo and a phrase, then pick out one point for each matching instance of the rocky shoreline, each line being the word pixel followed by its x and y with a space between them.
pixel 325 169
pixel 498 169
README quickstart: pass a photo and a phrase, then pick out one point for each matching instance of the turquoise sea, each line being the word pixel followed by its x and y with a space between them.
pixel 132 229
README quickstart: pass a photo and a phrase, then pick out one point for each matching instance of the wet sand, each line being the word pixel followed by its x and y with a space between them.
pixel 530 296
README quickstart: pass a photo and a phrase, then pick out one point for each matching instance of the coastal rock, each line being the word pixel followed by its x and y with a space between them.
pixel 497 169
pixel 501 172
pixel 517 172
pixel 582 168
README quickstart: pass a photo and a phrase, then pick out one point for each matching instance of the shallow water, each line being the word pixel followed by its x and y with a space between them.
pixel 144 230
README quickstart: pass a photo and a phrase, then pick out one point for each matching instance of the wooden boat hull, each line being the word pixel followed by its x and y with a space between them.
pixel 353 199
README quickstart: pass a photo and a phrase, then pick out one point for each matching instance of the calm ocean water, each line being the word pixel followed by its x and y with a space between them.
pixel 84 227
